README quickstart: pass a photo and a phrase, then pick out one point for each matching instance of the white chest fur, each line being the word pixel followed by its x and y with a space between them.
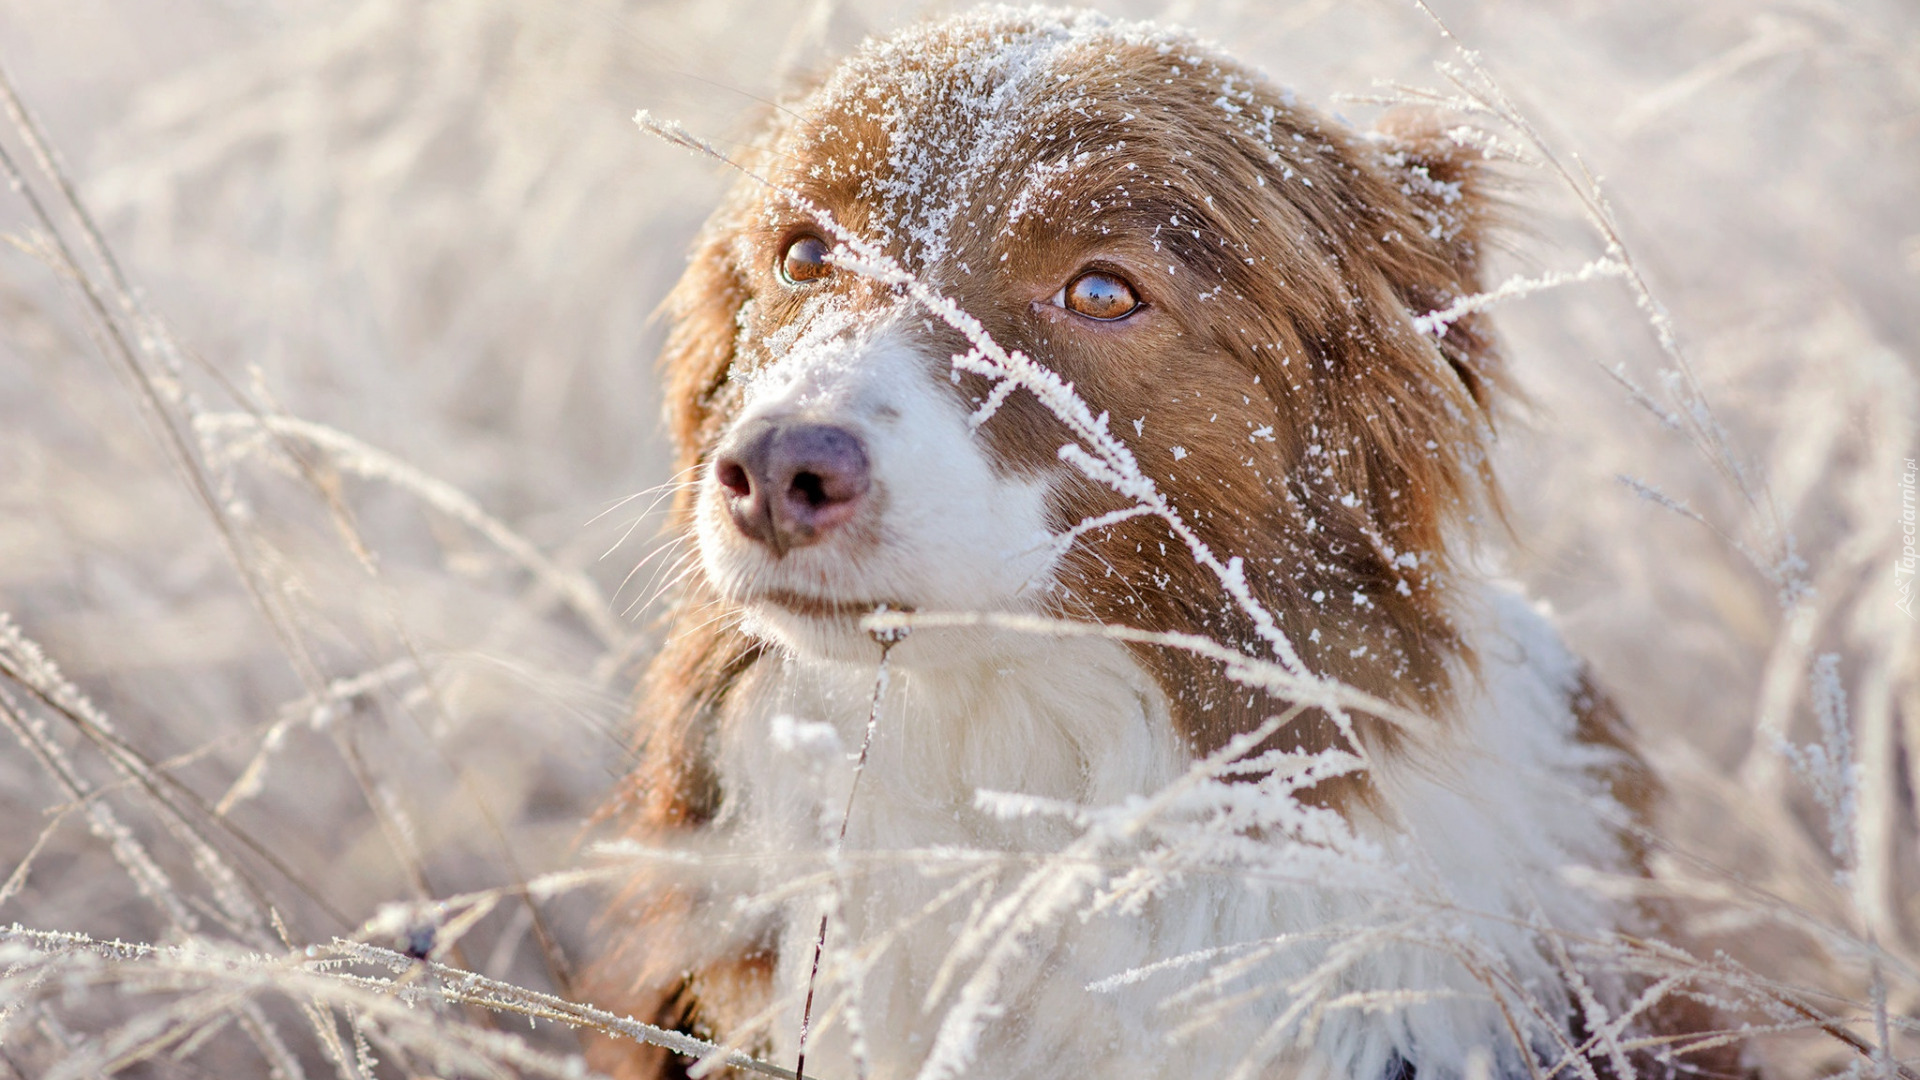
pixel 966 941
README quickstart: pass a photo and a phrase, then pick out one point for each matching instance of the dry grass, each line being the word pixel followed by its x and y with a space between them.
pixel 309 456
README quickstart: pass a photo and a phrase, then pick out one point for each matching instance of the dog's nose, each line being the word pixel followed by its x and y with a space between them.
pixel 789 484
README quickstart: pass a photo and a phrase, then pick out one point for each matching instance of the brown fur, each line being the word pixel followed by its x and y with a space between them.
pixel 1318 247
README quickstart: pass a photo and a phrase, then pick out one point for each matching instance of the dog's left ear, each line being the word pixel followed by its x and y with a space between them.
pixel 1451 193
pixel 703 311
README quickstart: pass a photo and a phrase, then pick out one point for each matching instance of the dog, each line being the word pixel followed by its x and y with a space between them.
pixel 1086 331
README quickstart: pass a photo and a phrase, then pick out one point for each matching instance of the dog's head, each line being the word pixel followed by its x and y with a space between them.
pixel 1230 278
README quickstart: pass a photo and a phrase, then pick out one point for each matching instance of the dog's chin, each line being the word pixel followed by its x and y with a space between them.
pixel 816 627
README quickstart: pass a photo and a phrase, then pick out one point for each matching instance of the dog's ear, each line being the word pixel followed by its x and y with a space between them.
pixel 1454 196
pixel 1445 172
pixel 704 309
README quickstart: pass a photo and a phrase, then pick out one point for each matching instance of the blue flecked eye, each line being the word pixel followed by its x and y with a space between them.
pixel 807 258
pixel 1097 294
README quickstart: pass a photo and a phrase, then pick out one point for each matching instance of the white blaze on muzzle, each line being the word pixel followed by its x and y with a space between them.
pixel 850 477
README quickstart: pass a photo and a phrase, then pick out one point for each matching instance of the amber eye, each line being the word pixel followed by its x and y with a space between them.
pixel 807 258
pixel 1100 295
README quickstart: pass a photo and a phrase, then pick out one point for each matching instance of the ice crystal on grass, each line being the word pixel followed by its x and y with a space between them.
pixel 1828 766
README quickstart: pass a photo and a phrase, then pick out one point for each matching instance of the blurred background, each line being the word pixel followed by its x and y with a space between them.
pixel 390 269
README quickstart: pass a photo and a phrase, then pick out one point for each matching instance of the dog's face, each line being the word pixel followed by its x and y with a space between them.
pixel 1228 277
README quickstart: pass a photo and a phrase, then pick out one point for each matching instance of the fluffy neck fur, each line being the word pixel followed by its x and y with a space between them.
pixel 1461 852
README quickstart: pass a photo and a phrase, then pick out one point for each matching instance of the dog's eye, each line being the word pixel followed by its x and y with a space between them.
pixel 1099 295
pixel 806 259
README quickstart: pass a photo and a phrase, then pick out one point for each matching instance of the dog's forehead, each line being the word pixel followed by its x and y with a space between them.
pixel 930 129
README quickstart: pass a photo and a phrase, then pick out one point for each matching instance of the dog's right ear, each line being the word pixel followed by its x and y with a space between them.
pixel 704 309
pixel 1454 194
pixel 1448 178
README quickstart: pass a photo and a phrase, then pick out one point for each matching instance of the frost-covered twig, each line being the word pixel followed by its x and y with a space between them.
pixel 1437 322
pixel 1828 766
pixel 28 667
pixel 1238 666
pixel 887 639
pixel 216 979
pixel 354 456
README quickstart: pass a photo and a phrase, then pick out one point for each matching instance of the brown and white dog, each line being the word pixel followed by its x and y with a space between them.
pixel 1032 882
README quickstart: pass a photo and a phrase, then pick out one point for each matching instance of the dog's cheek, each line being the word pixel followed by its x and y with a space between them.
pixel 717 541
pixel 971 529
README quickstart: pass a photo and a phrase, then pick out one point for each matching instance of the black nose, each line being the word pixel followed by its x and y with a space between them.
pixel 788 484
